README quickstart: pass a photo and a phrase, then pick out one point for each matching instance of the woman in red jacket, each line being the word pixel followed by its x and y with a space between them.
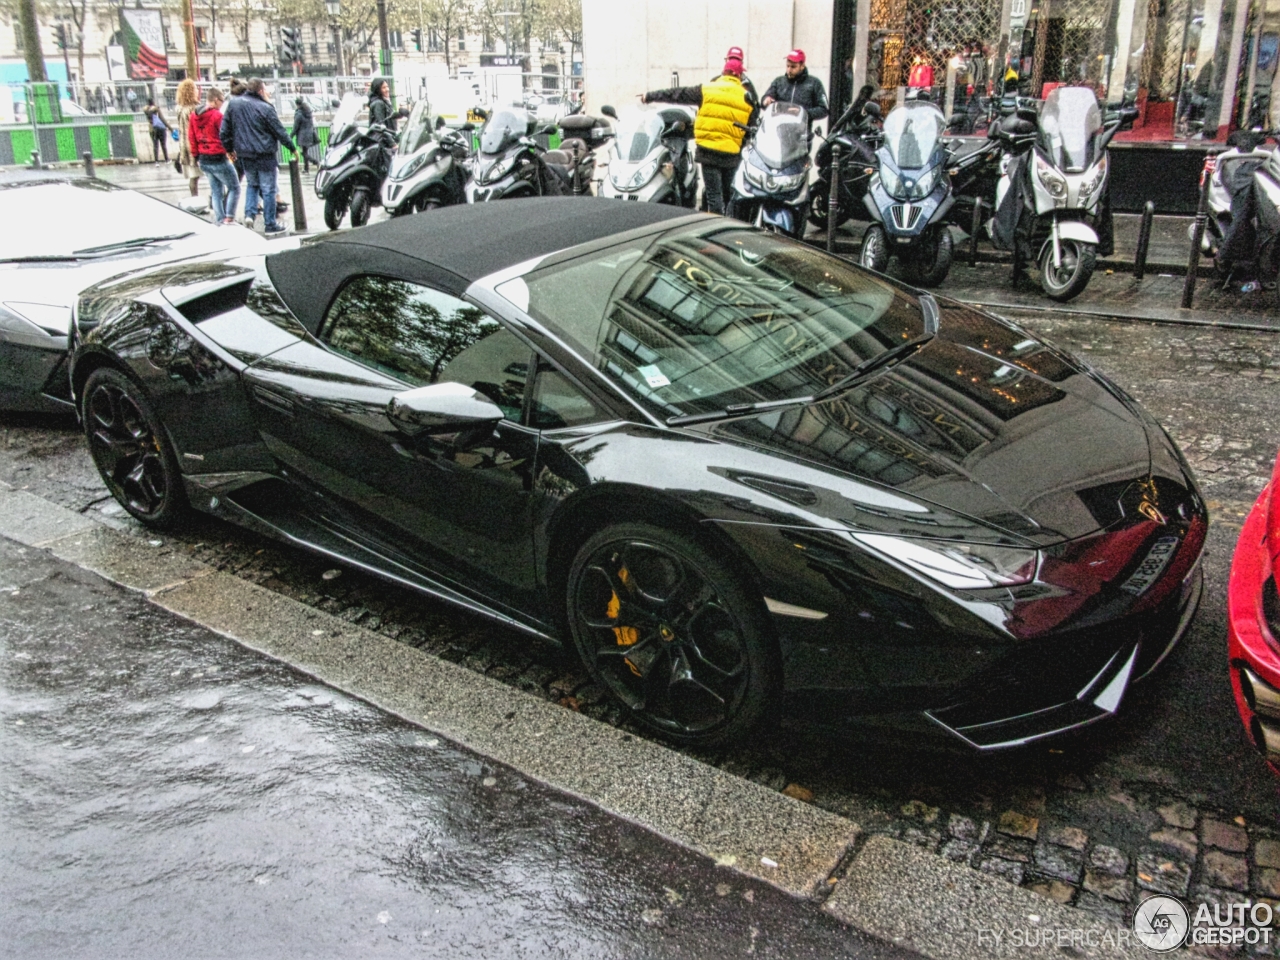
pixel 206 144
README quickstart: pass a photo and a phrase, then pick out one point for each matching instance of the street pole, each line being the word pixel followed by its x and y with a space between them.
pixel 31 49
pixel 384 52
pixel 189 36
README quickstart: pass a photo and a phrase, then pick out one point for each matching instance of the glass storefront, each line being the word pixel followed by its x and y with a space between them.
pixel 1195 69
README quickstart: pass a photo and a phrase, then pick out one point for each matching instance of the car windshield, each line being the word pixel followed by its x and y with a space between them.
pixel 105 217
pixel 503 128
pixel 912 132
pixel 783 137
pixel 639 131
pixel 344 120
pixel 1069 123
pixel 418 130
pixel 699 318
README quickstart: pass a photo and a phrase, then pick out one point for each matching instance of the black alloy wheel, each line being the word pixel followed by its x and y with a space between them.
pixel 671 634
pixel 361 206
pixel 130 450
pixel 335 208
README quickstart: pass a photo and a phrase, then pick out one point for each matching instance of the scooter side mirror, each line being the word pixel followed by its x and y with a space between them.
pixel 1029 114
pixel 548 128
pixel 439 122
pixel 608 111
pixel 872 109
pixel 467 127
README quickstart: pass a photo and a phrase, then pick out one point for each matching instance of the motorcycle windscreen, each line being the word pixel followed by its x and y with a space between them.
pixel 912 132
pixel 418 131
pixel 783 137
pixel 344 119
pixel 1069 123
pixel 639 131
pixel 504 127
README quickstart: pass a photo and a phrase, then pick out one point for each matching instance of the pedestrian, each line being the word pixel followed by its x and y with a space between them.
pixel 735 53
pixel 724 112
pixel 304 134
pixel 380 109
pixel 159 128
pixel 131 98
pixel 188 102
pixel 800 87
pixel 204 134
pixel 250 131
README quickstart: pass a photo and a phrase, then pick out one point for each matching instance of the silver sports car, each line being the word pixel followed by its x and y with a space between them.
pixel 65 232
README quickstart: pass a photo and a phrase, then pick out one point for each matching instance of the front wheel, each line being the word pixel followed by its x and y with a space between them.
pixel 875 249
pixel 672 634
pixel 423 204
pixel 360 207
pixel 335 208
pixel 1068 279
pixel 931 260
pixel 130 450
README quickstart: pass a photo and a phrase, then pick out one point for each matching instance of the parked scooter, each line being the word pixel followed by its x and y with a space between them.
pixel 1051 206
pixel 771 187
pixel 858 134
pixel 1242 234
pixel 354 166
pixel 429 170
pixel 574 161
pixel 650 159
pixel 910 196
pixel 510 162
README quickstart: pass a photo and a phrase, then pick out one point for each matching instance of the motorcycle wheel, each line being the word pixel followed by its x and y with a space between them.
pixel 932 260
pixel 360 208
pixel 1067 281
pixel 427 203
pixel 819 204
pixel 335 208
pixel 875 249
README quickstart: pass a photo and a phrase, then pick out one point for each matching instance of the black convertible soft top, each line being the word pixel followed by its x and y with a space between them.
pixel 451 248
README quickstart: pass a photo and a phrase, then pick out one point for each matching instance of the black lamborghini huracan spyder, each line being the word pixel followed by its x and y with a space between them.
pixel 737 474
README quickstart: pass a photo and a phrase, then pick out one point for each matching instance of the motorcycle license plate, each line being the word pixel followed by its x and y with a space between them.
pixel 481 196
pixel 1152 566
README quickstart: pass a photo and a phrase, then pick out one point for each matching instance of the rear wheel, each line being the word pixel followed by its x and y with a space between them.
pixel 1067 280
pixel 819 204
pixel 875 249
pixel 335 208
pixel 360 207
pixel 130 450
pixel 672 634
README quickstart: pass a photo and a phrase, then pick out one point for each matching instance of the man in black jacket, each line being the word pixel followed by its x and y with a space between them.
pixel 800 87
pixel 250 132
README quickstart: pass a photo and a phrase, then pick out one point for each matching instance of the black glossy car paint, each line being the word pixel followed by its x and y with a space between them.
pixel 986 434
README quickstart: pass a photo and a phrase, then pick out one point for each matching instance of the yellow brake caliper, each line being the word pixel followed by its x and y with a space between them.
pixel 626 636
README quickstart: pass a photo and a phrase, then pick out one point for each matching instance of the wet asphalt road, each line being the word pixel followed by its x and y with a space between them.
pixel 168 793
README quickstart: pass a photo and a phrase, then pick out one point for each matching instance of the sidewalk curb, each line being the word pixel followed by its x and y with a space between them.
pixel 1173 316
pixel 890 890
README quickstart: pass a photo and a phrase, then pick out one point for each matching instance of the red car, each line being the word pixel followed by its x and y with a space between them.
pixel 1253 629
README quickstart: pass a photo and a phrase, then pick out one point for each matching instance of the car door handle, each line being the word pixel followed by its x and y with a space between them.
pixel 269 398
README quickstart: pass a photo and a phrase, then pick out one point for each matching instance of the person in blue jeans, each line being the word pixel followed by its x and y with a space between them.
pixel 250 131
pixel 205 138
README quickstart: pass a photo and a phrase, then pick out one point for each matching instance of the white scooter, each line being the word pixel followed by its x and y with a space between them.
pixel 651 159
pixel 1050 197
pixel 1250 173
pixel 429 169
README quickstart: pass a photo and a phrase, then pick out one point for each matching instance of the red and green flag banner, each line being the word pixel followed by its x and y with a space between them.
pixel 142 33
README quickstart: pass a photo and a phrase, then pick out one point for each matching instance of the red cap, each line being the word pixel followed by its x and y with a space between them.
pixel 795 56
pixel 735 53
pixel 733 67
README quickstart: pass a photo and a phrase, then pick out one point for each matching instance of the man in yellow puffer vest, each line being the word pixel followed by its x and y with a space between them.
pixel 725 109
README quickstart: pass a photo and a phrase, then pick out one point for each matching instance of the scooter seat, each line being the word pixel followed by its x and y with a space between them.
pixel 558 158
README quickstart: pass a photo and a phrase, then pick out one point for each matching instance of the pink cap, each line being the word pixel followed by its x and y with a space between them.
pixel 733 66
pixel 795 56
pixel 735 53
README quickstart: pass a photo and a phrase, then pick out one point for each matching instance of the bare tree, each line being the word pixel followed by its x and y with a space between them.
pixel 31 48
pixel 446 16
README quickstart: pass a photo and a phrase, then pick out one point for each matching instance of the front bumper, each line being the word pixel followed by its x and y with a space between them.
pixel 1252 651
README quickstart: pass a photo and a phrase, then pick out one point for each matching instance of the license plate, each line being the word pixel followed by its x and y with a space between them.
pixel 1152 566
pixel 481 196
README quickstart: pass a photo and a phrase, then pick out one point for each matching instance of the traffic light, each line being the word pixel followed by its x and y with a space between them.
pixel 290 44
pixel 60 35
pixel 416 33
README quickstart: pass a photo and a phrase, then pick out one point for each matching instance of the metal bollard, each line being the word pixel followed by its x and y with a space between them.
pixel 1144 240
pixel 833 198
pixel 1197 235
pixel 973 232
pixel 35 159
pixel 88 163
pixel 295 188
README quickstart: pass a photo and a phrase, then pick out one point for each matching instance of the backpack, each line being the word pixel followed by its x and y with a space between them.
pixel 156 122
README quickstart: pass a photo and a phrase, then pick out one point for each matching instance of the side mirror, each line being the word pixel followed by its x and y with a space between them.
pixel 608 111
pixel 548 128
pixel 872 109
pixel 1030 114
pixel 482 114
pixel 439 122
pixel 441 409
pixel 467 127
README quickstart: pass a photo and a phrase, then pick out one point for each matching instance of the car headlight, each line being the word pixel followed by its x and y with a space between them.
pixel 960 566
pixel 1050 179
pixel 497 170
pixel 785 183
pixel 1093 181
pixel 409 169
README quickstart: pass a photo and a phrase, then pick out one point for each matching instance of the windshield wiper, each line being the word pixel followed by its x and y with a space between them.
pixel 42 258
pixel 929 308
pixel 130 244
pixel 734 410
